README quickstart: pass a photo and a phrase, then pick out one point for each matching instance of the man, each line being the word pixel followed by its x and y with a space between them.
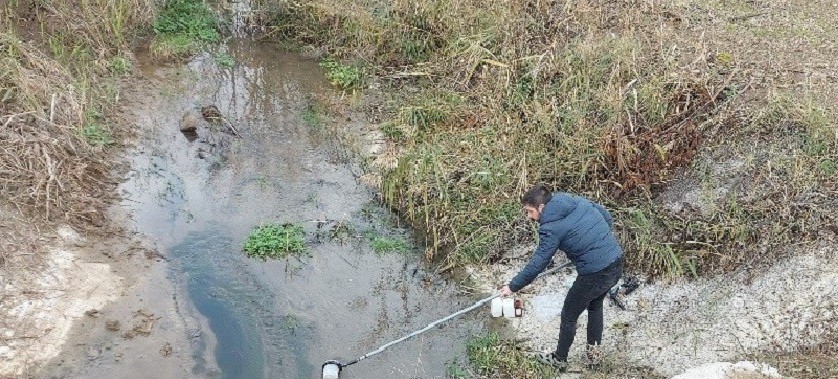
pixel 582 230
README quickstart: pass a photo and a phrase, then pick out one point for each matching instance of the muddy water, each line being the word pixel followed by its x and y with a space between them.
pixel 199 197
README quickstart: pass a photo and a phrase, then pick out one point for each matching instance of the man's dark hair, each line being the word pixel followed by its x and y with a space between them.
pixel 537 195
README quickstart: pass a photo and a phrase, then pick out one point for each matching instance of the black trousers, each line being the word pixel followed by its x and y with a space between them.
pixel 587 292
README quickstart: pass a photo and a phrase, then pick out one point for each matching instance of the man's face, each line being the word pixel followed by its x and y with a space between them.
pixel 533 213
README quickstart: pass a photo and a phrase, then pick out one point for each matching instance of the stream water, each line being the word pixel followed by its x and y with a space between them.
pixel 198 197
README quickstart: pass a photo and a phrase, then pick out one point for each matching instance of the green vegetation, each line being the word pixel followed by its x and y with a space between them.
pixel 291 323
pixel 345 77
pixel 494 357
pixel 224 60
pixel 95 132
pixel 182 27
pixel 56 70
pixel 383 244
pixel 120 66
pixel 275 242
pixel 96 135
pixel 314 116
pixel 455 371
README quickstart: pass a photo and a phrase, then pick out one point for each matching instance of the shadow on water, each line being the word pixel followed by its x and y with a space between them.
pixel 240 310
pixel 198 196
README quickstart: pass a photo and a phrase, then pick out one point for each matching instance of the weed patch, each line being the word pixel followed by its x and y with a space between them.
pixel 314 118
pixel 120 66
pixel 384 244
pixel 96 135
pixel 494 357
pixel 344 77
pixel 224 60
pixel 182 27
pixel 275 241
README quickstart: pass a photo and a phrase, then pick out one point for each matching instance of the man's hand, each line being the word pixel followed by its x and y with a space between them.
pixel 505 291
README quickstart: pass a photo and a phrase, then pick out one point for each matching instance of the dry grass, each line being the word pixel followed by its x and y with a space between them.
pixel 59 61
pixel 808 362
pixel 616 100
pixel 491 356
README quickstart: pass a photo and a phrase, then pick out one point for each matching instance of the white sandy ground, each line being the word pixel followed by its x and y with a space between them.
pixel 725 370
pixel 37 312
pixel 55 310
pixel 680 326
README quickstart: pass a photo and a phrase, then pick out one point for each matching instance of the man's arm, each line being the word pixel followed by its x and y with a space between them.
pixel 548 244
pixel 605 214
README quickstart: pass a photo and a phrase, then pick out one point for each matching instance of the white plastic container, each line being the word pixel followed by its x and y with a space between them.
pixel 331 371
pixel 497 307
pixel 509 307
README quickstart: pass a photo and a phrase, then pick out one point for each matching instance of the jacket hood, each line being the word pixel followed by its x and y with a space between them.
pixel 558 208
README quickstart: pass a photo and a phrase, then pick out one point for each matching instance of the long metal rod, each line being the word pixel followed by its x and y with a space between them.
pixel 476 305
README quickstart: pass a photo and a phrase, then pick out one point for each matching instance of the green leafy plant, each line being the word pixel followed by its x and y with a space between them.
pixel 291 323
pixel 312 118
pixel 275 241
pixel 182 26
pixel 188 17
pixel 455 371
pixel 95 135
pixel 346 77
pixel 224 60
pixel 119 65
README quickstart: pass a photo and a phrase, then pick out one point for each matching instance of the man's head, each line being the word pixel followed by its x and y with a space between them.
pixel 534 200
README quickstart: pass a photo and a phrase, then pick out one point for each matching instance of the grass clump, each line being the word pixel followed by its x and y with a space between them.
pixel 344 77
pixel 120 66
pixel 384 244
pixel 494 357
pixel 224 60
pixel 274 241
pixel 314 117
pixel 96 135
pixel 182 27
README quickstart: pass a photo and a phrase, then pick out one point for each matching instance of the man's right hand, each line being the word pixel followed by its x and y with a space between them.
pixel 505 291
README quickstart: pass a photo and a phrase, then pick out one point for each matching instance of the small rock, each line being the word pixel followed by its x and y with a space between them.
pixel 189 123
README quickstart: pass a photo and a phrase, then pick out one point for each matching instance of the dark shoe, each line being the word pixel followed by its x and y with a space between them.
pixel 548 359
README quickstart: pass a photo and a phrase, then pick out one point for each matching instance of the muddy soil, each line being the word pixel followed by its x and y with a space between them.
pixel 206 310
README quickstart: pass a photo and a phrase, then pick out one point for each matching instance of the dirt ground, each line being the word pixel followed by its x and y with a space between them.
pixel 673 327
pixel 50 278
pixel 58 284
